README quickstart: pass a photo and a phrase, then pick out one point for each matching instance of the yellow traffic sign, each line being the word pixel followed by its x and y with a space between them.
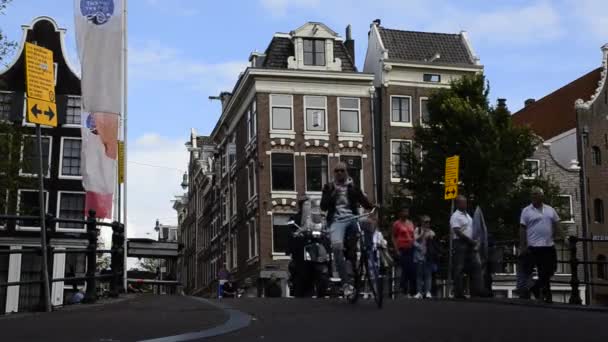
pixel 39 73
pixel 41 112
pixel 451 177
pixel 121 162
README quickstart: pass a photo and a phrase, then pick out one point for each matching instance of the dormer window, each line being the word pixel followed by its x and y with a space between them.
pixel 314 52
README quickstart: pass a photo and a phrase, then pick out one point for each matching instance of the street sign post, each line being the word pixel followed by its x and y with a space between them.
pixel 450 193
pixel 41 110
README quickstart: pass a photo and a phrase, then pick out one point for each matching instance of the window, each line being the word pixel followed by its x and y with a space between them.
pixel 223 162
pixel 564 208
pixel 232 151
pixel 425 118
pixel 3 207
pixel 253 239
pixel 314 52
pixel 596 156
pixel 354 168
pixel 234 245
pixel 281 232
pixel 316 172
pixel 315 109
pixel 70 157
pixel 251 174
pixel 71 206
pixel 233 199
pixel 4 265
pixel 29 156
pixel 72 114
pixel 283 172
pixel 29 205
pixel 226 205
pixel 563 253
pixel 399 162
pixel 602 267
pixel 598 210
pixel 435 78
pixel 5 105
pixel 531 168
pixel 252 117
pixel 401 109
pixel 29 295
pixel 349 115
pixel 281 112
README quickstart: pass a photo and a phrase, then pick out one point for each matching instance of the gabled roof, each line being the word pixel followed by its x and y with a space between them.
pixel 555 113
pixel 281 48
pixel 420 47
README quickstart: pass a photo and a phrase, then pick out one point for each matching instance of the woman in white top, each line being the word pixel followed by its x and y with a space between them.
pixel 423 236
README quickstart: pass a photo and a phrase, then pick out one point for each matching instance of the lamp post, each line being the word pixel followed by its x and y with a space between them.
pixel 158 269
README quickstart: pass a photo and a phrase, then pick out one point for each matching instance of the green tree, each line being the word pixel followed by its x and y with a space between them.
pixel 492 152
pixel 6 46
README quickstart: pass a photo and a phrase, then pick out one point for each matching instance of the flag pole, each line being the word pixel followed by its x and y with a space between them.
pixel 124 118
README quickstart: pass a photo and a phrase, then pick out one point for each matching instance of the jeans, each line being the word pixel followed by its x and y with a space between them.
pixel 337 233
pixel 408 271
pixel 424 275
pixel 545 260
pixel 466 258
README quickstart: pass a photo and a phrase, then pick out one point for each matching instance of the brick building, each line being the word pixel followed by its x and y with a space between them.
pixel 407 67
pixel 592 123
pixel 281 131
pixel 64 195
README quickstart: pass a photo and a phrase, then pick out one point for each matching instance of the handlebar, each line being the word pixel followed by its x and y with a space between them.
pixel 356 217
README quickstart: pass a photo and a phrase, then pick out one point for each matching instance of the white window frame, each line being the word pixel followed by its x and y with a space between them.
pixel 46 209
pixel 58 211
pixel 284 193
pixel 537 161
pixel 309 192
pixel 251 175
pixel 234 246
pixel 324 133
pixel 233 198
pixel 68 125
pixel 61 175
pixel 252 226
pixel 422 98
pixel 349 135
pixel 252 120
pixel 9 114
pixel 432 74
pixel 281 133
pixel 277 255
pixel 397 180
pixel 571 219
pixel 48 174
pixel 400 123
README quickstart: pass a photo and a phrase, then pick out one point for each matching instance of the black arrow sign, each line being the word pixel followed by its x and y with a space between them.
pixel 48 112
pixel 36 111
pixel 450 192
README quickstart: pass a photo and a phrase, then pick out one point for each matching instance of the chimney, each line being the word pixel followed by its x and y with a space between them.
pixel 529 102
pixel 377 22
pixel 349 43
pixel 502 103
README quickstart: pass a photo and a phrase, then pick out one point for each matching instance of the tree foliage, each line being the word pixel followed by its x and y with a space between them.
pixel 6 46
pixel 492 152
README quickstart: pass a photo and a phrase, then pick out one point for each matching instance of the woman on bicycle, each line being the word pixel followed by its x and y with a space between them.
pixel 341 199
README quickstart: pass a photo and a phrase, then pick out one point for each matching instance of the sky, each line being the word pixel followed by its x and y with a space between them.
pixel 183 51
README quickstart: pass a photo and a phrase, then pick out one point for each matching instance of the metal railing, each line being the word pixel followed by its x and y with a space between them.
pixel 92 232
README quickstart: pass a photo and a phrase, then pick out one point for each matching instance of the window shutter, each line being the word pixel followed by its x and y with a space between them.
pixel 17 107
pixel 61 101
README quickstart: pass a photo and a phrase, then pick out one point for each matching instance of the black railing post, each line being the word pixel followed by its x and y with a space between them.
pixel 91 294
pixel 117 256
pixel 575 295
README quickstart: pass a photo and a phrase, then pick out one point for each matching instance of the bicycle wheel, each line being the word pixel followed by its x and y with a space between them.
pixel 358 272
pixel 375 279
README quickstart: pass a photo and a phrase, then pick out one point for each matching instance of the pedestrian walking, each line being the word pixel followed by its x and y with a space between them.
pixel 466 251
pixel 403 241
pixel 423 258
pixel 539 224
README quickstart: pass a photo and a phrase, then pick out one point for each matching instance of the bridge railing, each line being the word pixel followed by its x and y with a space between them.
pixel 92 232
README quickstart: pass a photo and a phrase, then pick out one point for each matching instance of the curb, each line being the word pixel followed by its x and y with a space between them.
pixel 529 303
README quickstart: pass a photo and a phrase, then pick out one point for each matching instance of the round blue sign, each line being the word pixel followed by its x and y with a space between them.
pixel 97 11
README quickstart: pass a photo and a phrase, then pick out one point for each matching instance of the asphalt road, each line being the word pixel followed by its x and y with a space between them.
pixel 173 318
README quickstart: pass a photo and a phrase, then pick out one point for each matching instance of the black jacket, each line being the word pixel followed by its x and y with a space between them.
pixel 356 198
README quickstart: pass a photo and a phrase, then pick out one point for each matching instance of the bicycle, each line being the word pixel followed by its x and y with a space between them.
pixel 366 261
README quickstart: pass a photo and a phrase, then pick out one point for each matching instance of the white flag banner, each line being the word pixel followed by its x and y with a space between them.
pixel 99 38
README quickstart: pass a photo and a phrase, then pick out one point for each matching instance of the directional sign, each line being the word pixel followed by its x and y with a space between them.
pixel 41 112
pixel 451 177
pixel 40 85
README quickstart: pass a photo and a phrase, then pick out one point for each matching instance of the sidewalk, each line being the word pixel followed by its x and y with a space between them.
pixel 135 318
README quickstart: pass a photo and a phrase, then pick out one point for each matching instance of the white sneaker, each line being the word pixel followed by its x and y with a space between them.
pixel 429 295
pixel 418 295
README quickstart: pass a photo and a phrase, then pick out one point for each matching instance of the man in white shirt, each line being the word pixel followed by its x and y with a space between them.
pixel 466 254
pixel 539 223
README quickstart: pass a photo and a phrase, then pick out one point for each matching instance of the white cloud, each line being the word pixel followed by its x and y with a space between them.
pixel 154 61
pixel 280 7
pixel 154 170
pixel 593 14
